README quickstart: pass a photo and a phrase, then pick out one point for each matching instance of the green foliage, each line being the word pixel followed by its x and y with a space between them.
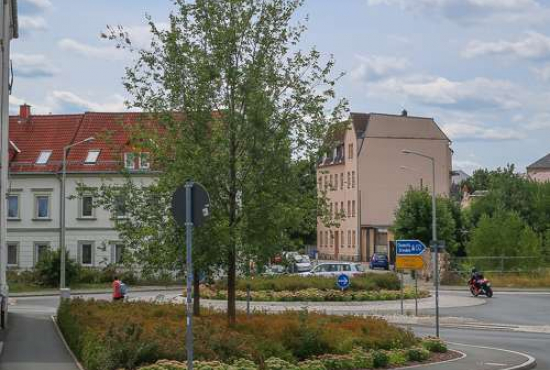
pixel 413 218
pixel 434 345
pixel 505 234
pixel 418 354
pixel 380 359
pixel 315 365
pixel 47 269
pixel 398 358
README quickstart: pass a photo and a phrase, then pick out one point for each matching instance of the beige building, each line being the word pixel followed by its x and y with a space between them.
pixel 367 173
pixel 540 170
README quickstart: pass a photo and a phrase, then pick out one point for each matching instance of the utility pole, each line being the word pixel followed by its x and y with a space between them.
pixel 9 30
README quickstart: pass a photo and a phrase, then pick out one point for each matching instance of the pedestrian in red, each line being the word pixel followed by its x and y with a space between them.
pixel 117 294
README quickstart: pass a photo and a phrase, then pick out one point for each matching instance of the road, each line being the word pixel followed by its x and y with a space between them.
pixel 31 314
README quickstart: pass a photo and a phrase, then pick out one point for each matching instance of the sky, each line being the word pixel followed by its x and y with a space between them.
pixel 480 68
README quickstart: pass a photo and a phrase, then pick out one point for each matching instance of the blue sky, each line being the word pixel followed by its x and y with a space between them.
pixel 481 68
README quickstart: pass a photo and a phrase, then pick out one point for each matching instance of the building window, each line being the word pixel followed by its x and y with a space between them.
pixel 353 208
pixel 349 181
pixel 342 181
pixel 44 157
pixel 349 208
pixel 119 207
pixel 42 206
pixel 342 210
pixel 117 253
pixel 342 238
pixel 12 254
pixel 144 162
pixel 349 238
pixel 326 182
pixel 331 187
pixel 331 210
pixel 353 179
pixel 87 206
pixel 130 161
pixel 326 239
pixel 320 241
pixel 350 151
pixel 86 253
pixel 353 239
pixel 13 206
pixel 40 249
pixel 92 157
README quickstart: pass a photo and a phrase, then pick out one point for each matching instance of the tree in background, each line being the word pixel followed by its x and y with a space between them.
pixel 413 218
pixel 504 234
pixel 238 104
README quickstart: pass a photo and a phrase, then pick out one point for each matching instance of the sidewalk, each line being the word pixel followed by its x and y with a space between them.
pixel 32 343
pixel 137 289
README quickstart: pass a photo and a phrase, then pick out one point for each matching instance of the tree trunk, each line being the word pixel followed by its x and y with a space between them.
pixel 196 293
pixel 232 255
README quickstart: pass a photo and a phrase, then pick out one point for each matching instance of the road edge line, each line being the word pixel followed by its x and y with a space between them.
pixel 462 357
pixel 78 364
pixel 531 362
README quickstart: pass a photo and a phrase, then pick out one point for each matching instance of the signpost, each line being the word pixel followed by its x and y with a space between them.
pixel 409 257
pixel 190 207
pixel 343 281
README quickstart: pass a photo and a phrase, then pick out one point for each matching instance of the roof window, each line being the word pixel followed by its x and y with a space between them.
pixel 92 157
pixel 43 157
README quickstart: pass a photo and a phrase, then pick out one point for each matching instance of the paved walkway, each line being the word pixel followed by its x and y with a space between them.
pixel 32 343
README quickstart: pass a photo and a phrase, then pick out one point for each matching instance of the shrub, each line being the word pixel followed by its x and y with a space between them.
pixel 361 359
pixel 398 358
pixel 48 267
pixel 311 365
pixel 380 359
pixel 434 345
pixel 273 363
pixel 243 364
pixel 418 354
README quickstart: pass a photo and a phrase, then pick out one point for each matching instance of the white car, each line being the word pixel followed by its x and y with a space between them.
pixel 298 262
pixel 336 269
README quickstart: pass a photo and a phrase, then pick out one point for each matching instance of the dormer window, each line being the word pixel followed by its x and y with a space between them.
pixel 43 157
pixel 144 163
pixel 92 157
pixel 130 161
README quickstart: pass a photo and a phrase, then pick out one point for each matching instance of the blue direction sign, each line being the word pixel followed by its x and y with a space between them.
pixel 343 281
pixel 409 247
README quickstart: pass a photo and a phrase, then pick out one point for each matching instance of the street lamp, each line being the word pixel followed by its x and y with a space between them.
pixel 405 168
pixel 62 247
pixel 434 236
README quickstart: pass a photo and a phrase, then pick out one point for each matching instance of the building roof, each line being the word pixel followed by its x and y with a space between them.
pixel 41 133
pixel 380 125
pixel 543 163
pixel 458 176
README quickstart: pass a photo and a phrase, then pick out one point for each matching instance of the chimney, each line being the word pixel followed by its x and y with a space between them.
pixel 404 113
pixel 25 112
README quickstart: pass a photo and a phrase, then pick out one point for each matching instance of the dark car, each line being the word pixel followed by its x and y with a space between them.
pixel 379 260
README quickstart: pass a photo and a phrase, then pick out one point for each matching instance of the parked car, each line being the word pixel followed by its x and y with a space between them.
pixel 379 260
pixel 274 270
pixel 298 262
pixel 329 269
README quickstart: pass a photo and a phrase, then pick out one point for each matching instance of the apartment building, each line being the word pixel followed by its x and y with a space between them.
pixel 36 150
pixel 365 175
pixel 540 170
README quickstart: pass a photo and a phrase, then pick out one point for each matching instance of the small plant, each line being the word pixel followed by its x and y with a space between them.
pixel 311 365
pixel 434 345
pixel 398 358
pixel 380 359
pixel 273 363
pixel 418 354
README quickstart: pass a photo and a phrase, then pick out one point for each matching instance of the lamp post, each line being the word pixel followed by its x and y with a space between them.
pixel 434 236
pixel 62 246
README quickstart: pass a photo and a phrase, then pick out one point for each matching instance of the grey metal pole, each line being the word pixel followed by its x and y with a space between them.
pixel 62 247
pixel 416 293
pixel 189 267
pixel 434 237
pixel 402 308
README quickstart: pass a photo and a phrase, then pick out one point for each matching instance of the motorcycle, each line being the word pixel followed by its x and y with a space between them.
pixel 483 287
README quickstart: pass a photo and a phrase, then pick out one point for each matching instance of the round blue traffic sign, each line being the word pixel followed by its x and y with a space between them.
pixel 343 281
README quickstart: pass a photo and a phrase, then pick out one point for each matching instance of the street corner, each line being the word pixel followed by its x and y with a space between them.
pixel 484 358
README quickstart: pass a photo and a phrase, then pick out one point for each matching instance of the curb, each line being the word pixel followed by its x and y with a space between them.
pixel 531 362
pixel 462 356
pixel 77 363
pixel 98 291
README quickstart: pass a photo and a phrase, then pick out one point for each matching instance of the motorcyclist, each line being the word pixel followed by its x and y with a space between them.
pixel 475 277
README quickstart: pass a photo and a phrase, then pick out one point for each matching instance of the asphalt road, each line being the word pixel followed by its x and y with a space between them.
pixel 512 308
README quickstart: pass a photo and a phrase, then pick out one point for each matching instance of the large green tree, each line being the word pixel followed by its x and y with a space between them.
pixel 413 218
pixel 238 103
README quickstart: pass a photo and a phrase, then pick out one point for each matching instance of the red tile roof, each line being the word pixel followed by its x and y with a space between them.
pixel 54 132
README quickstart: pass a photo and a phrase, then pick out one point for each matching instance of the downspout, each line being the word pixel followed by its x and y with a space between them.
pixel 358 238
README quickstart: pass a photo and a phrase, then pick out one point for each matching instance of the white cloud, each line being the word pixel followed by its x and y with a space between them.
pixel 543 72
pixel 464 131
pixel 467 166
pixel 533 46
pixel 34 6
pixel 378 66
pixel 468 11
pixel 66 101
pixel 539 121
pixel 15 102
pixel 477 93
pixel 101 52
pixel 32 23
pixel 32 65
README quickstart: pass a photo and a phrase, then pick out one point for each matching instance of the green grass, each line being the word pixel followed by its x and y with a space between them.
pixel 31 288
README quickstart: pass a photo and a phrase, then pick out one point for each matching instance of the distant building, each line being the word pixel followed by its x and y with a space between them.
pixel 366 174
pixel 457 180
pixel 540 170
